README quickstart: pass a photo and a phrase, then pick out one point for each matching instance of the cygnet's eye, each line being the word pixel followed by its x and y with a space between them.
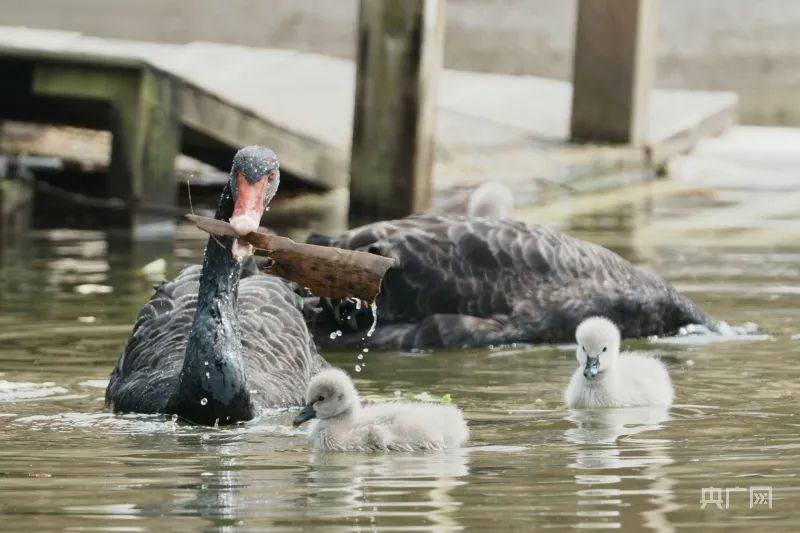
pixel 605 348
pixel 321 398
pixel 584 350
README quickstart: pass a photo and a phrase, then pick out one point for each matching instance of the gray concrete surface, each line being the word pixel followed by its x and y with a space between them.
pixel 747 46
pixel 511 128
pixel 734 191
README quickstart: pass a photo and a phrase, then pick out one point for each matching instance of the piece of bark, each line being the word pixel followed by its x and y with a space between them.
pixel 325 271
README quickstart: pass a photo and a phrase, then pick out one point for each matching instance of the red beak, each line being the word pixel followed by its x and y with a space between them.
pixel 247 212
pixel 249 206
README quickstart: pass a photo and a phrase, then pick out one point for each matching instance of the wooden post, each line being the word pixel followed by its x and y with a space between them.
pixel 146 136
pixel 400 44
pixel 613 70
pixel 146 140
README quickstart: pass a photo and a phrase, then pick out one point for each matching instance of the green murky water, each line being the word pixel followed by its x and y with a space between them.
pixel 67 301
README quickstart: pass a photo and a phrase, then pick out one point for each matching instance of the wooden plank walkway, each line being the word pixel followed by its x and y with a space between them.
pixel 510 128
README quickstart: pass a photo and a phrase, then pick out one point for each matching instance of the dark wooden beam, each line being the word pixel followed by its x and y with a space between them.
pixel 400 44
pixel 146 132
pixel 613 70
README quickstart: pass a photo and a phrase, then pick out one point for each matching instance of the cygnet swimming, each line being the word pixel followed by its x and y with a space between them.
pixel 491 199
pixel 604 379
pixel 343 424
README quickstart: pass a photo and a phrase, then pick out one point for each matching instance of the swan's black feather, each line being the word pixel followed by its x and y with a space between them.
pixel 468 282
pixel 277 350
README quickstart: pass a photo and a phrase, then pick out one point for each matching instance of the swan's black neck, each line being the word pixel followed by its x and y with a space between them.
pixel 213 385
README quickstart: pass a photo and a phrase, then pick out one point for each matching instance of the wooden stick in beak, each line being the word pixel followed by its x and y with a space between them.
pixel 325 271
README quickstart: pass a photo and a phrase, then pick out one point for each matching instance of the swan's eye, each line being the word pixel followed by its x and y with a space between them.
pixel 321 398
pixel 605 348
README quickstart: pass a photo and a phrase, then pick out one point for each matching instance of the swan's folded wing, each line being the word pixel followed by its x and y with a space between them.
pixel 543 280
pixel 278 350
pixel 482 267
pixel 147 370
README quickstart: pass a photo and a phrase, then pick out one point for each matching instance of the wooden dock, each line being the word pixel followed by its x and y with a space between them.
pixel 205 100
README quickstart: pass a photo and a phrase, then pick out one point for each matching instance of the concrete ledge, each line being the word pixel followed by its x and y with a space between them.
pixel 512 128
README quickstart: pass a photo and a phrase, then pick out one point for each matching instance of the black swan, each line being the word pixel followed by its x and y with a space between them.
pixel 463 282
pixel 215 345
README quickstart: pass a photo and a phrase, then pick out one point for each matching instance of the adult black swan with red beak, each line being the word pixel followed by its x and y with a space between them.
pixel 462 282
pixel 216 345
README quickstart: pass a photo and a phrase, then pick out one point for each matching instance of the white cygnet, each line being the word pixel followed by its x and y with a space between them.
pixel 604 379
pixel 343 424
pixel 491 199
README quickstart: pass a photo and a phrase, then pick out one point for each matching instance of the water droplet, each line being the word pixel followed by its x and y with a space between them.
pixel 338 333
pixel 332 335
pixel 204 401
pixel 206 363
pixel 365 350
pixel 374 308
pixel 360 356
pixel 208 375
pixel 358 368
pixel 174 418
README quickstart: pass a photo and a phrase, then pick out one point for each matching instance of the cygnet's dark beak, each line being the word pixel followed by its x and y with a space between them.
pixel 305 415
pixel 590 370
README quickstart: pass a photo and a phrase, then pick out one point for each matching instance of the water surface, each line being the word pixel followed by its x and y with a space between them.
pixel 68 300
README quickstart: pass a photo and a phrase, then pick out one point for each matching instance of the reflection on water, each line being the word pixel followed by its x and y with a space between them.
pixel 605 426
pixel 599 431
pixel 67 303
pixel 368 487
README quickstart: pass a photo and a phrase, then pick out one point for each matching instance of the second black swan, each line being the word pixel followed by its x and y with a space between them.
pixel 461 282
